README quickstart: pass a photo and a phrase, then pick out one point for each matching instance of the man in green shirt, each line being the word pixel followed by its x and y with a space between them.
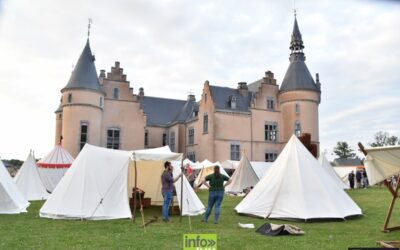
pixel 216 188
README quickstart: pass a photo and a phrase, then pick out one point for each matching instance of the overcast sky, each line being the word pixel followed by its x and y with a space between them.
pixel 171 47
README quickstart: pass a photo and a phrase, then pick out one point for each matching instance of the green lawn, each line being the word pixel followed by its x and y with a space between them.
pixel 30 231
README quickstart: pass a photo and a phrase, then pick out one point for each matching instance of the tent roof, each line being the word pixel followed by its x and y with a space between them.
pixel 29 182
pixel 156 154
pixel 12 201
pixel 58 157
pixel 297 187
pixel 332 173
pixel 382 163
pixel 243 177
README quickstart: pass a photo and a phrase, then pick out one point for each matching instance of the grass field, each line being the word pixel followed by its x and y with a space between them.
pixel 30 231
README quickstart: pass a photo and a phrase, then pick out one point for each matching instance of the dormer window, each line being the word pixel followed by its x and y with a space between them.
pixel 233 102
pixel 115 93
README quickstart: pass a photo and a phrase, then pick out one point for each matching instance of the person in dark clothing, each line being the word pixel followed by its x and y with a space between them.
pixel 351 179
pixel 358 178
pixel 365 179
pixel 216 188
pixel 167 182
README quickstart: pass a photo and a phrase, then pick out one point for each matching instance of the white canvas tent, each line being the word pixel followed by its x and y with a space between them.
pixel 297 187
pixel 332 173
pixel 28 180
pixel 11 199
pixel 53 166
pixel 260 167
pixel 207 168
pixel 98 184
pixel 243 177
pixel 382 163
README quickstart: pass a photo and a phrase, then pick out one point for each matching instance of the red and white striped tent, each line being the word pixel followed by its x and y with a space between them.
pixel 53 166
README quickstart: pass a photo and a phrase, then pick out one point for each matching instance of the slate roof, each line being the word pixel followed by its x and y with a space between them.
pixel 84 75
pixel 297 76
pixel 253 87
pixel 162 111
pixel 222 95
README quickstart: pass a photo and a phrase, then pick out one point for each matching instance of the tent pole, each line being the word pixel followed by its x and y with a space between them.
pixel 182 171
pixel 134 196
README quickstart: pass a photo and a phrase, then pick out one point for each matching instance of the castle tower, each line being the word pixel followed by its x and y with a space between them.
pixel 299 95
pixel 79 117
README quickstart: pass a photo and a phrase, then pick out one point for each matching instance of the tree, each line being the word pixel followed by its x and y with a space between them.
pixel 342 150
pixel 384 139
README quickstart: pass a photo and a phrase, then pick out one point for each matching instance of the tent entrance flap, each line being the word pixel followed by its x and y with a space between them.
pixel 148 179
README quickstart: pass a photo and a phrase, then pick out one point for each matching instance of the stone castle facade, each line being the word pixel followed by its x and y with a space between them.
pixel 257 118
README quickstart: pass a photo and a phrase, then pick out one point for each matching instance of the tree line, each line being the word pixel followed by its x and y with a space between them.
pixel 344 151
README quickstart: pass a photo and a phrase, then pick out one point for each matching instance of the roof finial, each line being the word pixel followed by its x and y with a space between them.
pixel 294 8
pixel 88 32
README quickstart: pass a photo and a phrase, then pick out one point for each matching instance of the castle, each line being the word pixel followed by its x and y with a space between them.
pixel 257 118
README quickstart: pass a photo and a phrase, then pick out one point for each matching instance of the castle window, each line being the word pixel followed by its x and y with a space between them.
pixel 191 136
pixel 297 128
pixel 60 116
pixel 297 108
pixel 271 131
pixel 84 134
pixel 235 151
pixel 205 97
pixel 101 102
pixel 146 138
pixel 205 123
pixel 270 157
pixel 113 136
pixel 69 98
pixel 270 103
pixel 164 139
pixel 191 156
pixel 115 93
pixel 172 141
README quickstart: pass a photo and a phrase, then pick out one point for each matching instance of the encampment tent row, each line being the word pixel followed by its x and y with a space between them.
pixel 53 166
pixel 29 182
pixel 98 184
pixel 11 199
pixel 297 187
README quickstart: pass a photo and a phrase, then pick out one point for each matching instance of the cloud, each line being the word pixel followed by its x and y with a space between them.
pixel 180 44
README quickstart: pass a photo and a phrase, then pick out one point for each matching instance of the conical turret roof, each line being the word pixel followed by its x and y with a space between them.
pixel 84 75
pixel 297 76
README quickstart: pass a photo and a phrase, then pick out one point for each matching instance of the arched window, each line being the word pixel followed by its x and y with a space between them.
pixel 297 128
pixel 69 98
pixel 101 102
pixel 115 93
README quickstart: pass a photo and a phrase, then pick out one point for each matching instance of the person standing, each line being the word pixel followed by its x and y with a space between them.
pixel 216 188
pixel 167 189
pixel 358 178
pixel 365 179
pixel 351 179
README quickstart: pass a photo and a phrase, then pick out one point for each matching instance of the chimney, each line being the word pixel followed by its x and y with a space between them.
pixel 243 89
pixel 102 73
pixel 191 97
pixel 141 93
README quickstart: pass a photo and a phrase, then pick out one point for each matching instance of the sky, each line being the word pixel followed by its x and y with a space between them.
pixel 170 47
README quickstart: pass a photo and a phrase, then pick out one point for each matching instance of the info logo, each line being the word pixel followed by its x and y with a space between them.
pixel 199 242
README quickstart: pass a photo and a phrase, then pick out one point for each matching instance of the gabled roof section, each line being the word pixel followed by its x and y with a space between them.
pixel 223 95
pixel 186 111
pixel 84 75
pixel 161 111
